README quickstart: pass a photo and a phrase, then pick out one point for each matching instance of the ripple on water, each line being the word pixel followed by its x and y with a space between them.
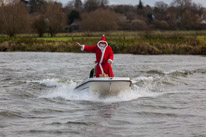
pixel 167 99
pixel 11 114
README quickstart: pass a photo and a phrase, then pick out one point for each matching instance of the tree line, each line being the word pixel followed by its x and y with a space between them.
pixel 41 16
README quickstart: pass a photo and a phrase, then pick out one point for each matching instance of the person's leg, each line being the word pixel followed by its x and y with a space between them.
pixel 108 70
pixel 98 71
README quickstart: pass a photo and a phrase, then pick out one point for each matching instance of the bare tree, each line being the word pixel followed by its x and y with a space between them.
pixel 1 6
pixel 14 18
pixel 39 25
pixel 91 5
pixel 161 5
pixel 35 5
pixel 189 20
pixel 172 17
pixel 55 18
pixel 128 11
pixel 11 1
pixel 160 10
pixel 104 3
pixel 188 14
pixel 1 2
pixel 78 4
pixel 100 20
pixel 182 3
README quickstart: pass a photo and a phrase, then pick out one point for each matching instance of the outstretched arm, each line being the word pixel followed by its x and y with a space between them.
pixel 86 48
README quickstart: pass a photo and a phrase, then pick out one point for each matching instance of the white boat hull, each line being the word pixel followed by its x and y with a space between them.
pixel 105 86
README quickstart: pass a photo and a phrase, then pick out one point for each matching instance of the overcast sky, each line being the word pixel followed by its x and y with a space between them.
pixel 135 2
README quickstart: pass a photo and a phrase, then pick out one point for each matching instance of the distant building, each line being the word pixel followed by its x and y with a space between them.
pixel 75 26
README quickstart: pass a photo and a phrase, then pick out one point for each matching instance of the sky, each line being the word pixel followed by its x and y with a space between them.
pixel 135 2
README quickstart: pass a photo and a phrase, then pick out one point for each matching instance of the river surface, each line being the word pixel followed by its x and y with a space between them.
pixel 168 97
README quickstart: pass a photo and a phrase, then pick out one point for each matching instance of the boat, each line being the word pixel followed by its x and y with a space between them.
pixel 105 86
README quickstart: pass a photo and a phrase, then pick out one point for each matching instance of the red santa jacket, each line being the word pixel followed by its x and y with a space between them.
pixel 102 57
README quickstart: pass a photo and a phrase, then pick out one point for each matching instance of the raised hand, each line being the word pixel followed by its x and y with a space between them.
pixel 78 44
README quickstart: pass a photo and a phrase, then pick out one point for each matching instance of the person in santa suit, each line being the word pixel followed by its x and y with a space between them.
pixel 104 57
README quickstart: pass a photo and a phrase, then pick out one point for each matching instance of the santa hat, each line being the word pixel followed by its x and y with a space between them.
pixel 103 40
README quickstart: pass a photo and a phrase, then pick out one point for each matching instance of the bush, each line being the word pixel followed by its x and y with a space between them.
pixel 199 50
pixel 160 24
pixel 144 49
pixel 138 25
pixel 4 46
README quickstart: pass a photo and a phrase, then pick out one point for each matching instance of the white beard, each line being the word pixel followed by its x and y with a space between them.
pixel 102 47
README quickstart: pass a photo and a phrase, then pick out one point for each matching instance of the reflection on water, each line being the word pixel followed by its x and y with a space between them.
pixel 37 97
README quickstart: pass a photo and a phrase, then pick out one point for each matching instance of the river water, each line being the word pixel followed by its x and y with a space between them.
pixel 168 97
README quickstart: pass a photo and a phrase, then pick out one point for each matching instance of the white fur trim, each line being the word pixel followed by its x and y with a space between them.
pixel 101 68
pixel 82 48
pixel 103 51
pixel 102 41
pixel 110 60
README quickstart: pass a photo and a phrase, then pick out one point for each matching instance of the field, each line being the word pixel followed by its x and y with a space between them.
pixel 155 42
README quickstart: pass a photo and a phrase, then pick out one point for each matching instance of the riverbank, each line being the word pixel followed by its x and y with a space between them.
pixel 144 43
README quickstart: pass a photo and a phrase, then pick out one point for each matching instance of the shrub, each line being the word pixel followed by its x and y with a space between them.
pixel 143 48
pixel 160 24
pixel 4 46
pixel 138 25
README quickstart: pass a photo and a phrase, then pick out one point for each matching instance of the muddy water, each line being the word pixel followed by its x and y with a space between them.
pixel 168 97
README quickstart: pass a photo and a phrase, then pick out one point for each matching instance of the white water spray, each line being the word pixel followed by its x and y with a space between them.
pixel 65 91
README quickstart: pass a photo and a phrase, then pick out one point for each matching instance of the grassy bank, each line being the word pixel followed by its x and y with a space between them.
pixel 153 43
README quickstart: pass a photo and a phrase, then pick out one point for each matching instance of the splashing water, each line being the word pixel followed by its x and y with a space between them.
pixel 67 92
pixel 167 97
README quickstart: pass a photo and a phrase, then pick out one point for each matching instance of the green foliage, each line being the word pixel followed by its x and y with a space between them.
pixel 74 15
pixel 140 5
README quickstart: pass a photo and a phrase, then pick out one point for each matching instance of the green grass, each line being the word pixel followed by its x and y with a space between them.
pixel 64 39
pixel 115 33
pixel 201 38
pixel 156 42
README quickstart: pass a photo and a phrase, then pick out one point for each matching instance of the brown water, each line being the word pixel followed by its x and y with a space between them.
pixel 168 98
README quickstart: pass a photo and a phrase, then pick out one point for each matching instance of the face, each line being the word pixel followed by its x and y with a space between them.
pixel 102 44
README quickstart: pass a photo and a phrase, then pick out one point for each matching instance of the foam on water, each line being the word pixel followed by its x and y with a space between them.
pixel 51 82
pixel 142 78
pixel 67 92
